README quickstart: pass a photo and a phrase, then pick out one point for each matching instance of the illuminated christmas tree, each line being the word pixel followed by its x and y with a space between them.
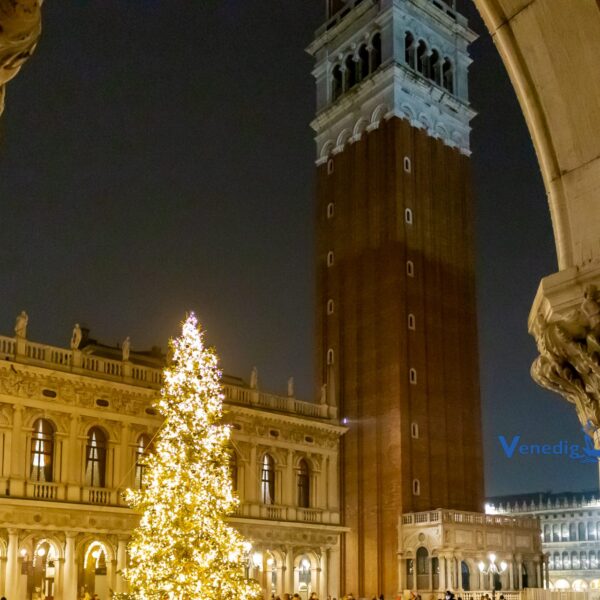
pixel 183 548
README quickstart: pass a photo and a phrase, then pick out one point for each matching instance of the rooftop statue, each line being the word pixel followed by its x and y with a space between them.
pixel 20 29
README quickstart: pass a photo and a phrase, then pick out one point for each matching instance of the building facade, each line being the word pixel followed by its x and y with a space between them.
pixel 570 525
pixel 73 425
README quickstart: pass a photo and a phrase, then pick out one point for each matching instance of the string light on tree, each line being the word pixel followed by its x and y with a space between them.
pixel 183 549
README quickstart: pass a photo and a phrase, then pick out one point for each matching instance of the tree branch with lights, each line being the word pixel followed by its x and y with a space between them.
pixel 183 548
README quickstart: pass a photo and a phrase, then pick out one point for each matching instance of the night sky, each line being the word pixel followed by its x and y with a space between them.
pixel 156 157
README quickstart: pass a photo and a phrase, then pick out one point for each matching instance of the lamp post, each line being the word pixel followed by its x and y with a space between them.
pixel 492 569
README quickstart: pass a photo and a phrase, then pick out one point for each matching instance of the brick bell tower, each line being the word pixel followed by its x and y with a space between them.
pixel 396 312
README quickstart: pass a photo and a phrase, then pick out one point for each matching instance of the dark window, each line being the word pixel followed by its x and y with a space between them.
pixel 376 52
pixel 233 470
pixel 350 72
pixel 336 83
pixel 422 59
pixel 435 67
pixel 95 463
pixel 141 451
pixel 42 451
pixel 363 62
pixel 448 76
pixel 303 485
pixel 267 480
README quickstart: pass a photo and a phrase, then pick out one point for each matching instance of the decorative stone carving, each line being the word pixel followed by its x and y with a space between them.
pixel 20 29
pixel 569 361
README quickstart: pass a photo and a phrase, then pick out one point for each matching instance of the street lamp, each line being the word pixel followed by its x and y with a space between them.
pixel 492 569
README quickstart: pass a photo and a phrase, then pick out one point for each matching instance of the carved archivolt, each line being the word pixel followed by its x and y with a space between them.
pixel 20 29
pixel 569 362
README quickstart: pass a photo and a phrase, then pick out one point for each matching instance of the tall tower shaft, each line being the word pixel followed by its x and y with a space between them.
pixel 396 312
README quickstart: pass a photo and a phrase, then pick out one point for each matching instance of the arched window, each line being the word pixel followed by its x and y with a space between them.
pixel 572 532
pixel 409 49
pixel 412 322
pixel 448 75
pixel 583 560
pixel 422 568
pixel 330 356
pixel 422 58
pixel 303 485
pixel 557 561
pixel 350 72
pixel 593 560
pixel 267 480
pixel 547 533
pixel 42 451
pixel 435 67
pixel 141 449
pixel 581 531
pixel 330 307
pixel 375 52
pixel 363 62
pixel 574 560
pixel 566 560
pixel 337 86
pixel 591 531
pixel 95 458
pixel 233 470
pixel 556 532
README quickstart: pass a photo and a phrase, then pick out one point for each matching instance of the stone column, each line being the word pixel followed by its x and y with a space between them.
pixel 430 573
pixel 124 469
pixel 18 453
pixel 12 564
pixel 519 574
pixel 565 321
pixel 280 568
pixel 253 481
pixel 120 585
pixel 442 575
pixel 538 574
pixel 511 573
pixel 323 588
pixel 289 485
pixel 70 574
pixel 59 565
pixel 289 571
pixel 334 572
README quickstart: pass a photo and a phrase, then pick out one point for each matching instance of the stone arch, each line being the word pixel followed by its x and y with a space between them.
pixel 378 114
pixel 343 137
pixel 565 130
pixel 109 430
pixel 425 121
pixel 34 541
pixel 408 111
pixel 327 148
pixel 359 127
pixel 83 545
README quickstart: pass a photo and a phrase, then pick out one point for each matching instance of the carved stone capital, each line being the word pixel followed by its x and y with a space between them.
pixel 565 321
pixel 20 29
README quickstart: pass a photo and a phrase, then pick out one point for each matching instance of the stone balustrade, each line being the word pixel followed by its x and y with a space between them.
pixel 467 518
pixel 24 351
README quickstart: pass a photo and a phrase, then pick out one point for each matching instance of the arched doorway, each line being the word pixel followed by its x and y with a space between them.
pixel 465 576
pixel 304 576
pixel 422 569
pixel 43 574
pixel 93 570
